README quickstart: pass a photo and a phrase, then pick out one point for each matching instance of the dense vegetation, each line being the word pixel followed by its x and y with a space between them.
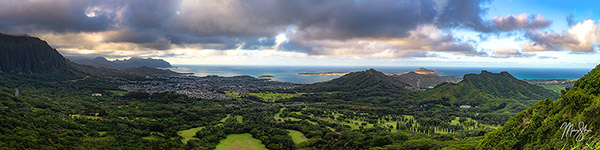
pixel 539 127
pixel 81 107
pixel 64 115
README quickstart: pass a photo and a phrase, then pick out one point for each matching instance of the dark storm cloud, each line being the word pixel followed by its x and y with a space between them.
pixel 60 16
pixel 464 13
pixel 346 19
pixel 231 24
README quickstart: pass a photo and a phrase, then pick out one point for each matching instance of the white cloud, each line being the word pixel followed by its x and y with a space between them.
pixel 509 52
pixel 581 37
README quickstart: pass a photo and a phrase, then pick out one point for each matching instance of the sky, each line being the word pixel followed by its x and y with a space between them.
pixel 465 33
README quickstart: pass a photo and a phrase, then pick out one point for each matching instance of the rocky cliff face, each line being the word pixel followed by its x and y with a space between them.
pixel 25 54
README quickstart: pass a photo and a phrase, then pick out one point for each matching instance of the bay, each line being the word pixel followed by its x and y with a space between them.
pixel 290 73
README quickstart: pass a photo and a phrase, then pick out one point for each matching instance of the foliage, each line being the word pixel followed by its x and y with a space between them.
pixel 539 127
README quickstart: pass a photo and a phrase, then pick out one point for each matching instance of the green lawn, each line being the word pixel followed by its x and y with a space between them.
pixel 151 138
pixel 273 97
pixel 225 119
pixel 240 142
pixel 265 96
pixel 85 116
pixel 297 136
pixel 240 119
pixel 188 134
pixel 555 88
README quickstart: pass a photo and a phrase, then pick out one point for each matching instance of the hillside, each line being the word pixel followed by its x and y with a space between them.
pixel 25 54
pixel 420 80
pixel 360 80
pixel 129 73
pixel 539 127
pixel 475 88
pixel 122 64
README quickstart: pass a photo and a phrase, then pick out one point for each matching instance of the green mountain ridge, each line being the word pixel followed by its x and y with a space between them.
pixel 475 88
pixel 361 80
pixel 539 127
pixel 25 54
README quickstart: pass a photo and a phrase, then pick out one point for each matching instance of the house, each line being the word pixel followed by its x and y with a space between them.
pixel 465 106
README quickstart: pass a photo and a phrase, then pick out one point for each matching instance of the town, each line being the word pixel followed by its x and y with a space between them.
pixel 204 87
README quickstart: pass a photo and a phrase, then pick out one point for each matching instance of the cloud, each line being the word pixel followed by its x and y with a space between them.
pixel 403 54
pixel 547 57
pixel 425 38
pixel 385 28
pixel 570 20
pixel 509 52
pixel 581 37
pixel 23 16
pixel 520 22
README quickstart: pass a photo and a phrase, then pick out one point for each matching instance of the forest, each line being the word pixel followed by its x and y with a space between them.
pixel 59 114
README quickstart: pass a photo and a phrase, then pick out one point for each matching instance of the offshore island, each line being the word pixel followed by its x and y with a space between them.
pixel 419 70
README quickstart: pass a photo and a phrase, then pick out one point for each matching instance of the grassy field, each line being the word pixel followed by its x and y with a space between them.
pixel 240 119
pixel 188 134
pixel 266 96
pixel 297 136
pixel 240 142
pixel 277 116
pixel 273 97
pixel 225 119
pixel 555 88
pixel 85 116
pixel 118 92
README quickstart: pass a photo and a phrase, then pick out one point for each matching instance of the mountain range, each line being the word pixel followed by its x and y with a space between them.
pixel 31 55
pixel 496 94
pixel 122 64
pixel 477 87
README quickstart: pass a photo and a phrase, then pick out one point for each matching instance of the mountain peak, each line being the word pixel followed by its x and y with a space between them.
pixel 422 70
pixel 360 80
pixel 100 59
pixel 502 85
pixel 25 54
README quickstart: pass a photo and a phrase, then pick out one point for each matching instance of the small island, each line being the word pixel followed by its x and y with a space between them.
pixel 266 76
pixel 419 70
pixel 422 70
pixel 325 73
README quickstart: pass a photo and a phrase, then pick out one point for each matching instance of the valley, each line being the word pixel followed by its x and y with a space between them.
pixel 74 106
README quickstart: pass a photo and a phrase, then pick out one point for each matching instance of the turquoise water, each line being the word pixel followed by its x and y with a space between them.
pixel 290 73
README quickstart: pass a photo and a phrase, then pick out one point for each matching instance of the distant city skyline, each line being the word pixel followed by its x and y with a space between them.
pixel 501 33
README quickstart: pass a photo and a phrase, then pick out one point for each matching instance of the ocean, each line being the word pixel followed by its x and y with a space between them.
pixel 290 73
